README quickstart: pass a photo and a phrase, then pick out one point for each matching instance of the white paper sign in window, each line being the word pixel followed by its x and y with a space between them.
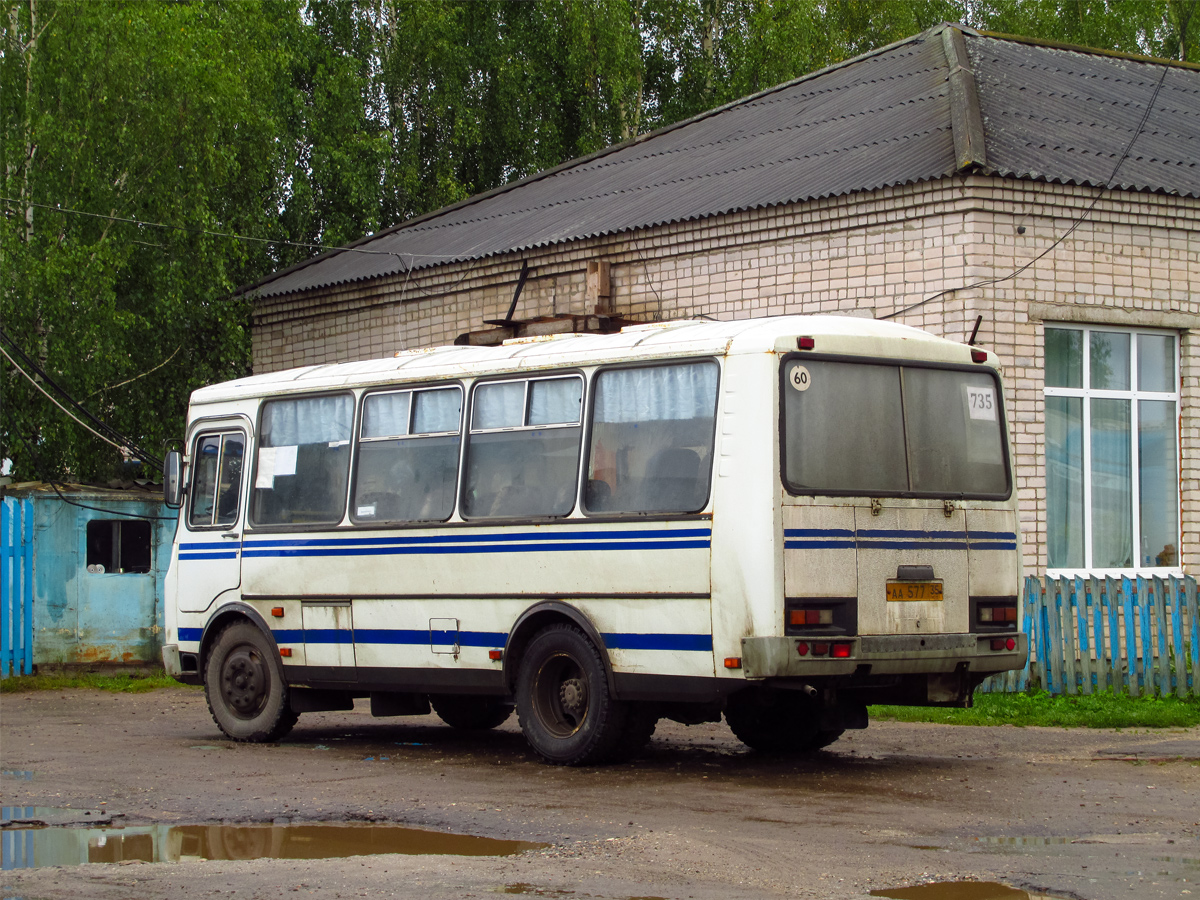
pixel 981 403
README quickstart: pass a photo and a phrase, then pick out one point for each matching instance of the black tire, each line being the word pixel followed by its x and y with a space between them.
pixel 780 722
pixel 470 713
pixel 244 685
pixel 566 711
pixel 823 739
pixel 640 721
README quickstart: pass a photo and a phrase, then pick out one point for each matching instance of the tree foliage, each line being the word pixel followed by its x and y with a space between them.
pixel 256 133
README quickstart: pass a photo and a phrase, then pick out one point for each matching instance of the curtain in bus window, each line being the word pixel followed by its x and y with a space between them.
pixel 652 439
pixel 437 411
pixel 303 461
pixel 844 429
pixel 385 415
pixel 952 422
pixel 499 405
pixel 555 401
pixel 657 393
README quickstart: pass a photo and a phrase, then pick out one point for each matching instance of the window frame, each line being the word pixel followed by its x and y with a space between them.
pixel 357 440
pixel 356 412
pixel 1133 395
pixel 469 430
pixel 590 428
pixel 895 363
pixel 221 433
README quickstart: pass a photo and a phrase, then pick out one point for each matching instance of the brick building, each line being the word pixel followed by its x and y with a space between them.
pixel 1054 191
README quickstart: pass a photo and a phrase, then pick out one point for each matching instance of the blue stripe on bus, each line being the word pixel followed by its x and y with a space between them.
pixel 875 538
pixel 492 639
pixel 700 642
pixel 226 554
pixel 474 538
pixel 293 552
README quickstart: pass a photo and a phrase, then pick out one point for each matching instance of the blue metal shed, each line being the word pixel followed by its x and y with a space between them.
pixel 82 575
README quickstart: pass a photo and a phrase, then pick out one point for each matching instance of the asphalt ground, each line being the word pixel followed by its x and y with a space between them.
pixel 1092 814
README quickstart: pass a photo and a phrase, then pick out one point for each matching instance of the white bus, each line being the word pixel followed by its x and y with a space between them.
pixel 780 520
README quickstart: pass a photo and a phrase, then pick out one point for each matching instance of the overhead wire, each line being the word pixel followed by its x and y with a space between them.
pixel 1104 189
pixel 114 437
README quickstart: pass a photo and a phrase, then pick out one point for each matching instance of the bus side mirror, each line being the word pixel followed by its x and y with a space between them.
pixel 173 480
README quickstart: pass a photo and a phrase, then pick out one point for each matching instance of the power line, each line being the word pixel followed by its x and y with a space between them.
pixel 1107 186
pixel 113 436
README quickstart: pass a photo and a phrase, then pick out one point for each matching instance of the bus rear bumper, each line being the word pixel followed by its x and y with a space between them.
pixel 778 657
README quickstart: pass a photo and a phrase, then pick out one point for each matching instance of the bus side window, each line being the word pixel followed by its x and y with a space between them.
pixel 408 456
pixel 652 439
pixel 303 462
pixel 523 448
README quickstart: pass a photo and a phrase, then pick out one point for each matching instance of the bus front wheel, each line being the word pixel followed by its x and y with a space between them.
pixel 244 686
pixel 564 706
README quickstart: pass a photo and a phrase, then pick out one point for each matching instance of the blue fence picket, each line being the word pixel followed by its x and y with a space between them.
pixel 16 586
pixel 1134 635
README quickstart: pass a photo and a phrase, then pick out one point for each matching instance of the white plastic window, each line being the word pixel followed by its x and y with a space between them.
pixel 1112 466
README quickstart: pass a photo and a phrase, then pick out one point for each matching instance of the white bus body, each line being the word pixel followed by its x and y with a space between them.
pixel 780 519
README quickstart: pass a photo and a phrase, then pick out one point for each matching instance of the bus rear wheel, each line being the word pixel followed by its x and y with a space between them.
pixel 470 713
pixel 782 722
pixel 566 711
pixel 243 683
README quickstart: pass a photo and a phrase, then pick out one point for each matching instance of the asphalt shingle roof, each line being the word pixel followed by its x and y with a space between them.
pixel 886 118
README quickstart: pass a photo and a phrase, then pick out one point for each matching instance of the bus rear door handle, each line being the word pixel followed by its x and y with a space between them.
pixel 231 536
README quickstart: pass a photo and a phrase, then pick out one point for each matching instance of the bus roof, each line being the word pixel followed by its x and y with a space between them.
pixel 658 340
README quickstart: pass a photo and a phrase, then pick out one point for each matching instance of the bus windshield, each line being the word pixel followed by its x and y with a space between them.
pixel 887 429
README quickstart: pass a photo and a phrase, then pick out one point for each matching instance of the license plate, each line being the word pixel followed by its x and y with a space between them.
pixel 914 590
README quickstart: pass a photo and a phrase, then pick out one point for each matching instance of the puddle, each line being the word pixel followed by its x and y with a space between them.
pixel 961 890
pixel 1024 841
pixel 27 848
pixel 17 774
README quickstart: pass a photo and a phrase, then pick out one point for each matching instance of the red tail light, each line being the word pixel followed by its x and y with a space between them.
pixel 802 648
pixel 840 651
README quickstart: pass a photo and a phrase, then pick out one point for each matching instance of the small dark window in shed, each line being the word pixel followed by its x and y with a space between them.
pixel 118 546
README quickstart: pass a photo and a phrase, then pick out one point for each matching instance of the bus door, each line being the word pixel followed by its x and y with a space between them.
pixel 210 547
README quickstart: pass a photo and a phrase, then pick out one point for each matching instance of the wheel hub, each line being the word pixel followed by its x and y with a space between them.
pixel 245 682
pixel 572 694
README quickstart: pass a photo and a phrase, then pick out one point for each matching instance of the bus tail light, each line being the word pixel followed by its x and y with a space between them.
pixel 978 356
pixel 820 649
pixel 806 343
pixel 840 651
pixel 810 616
pixel 1004 643
pixel 733 662
pixel 802 648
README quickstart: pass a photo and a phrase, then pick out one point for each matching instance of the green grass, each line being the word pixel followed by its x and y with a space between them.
pixel 1083 711
pixel 122 682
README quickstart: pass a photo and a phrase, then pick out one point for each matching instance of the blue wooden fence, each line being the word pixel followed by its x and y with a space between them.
pixel 16 587
pixel 1129 635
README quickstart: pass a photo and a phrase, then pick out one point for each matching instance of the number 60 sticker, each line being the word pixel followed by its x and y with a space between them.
pixel 800 378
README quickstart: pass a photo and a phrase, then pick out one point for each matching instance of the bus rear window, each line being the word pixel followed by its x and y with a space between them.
pixel 863 428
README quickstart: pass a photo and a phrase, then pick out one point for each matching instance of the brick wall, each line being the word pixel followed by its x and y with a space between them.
pixel 1134 261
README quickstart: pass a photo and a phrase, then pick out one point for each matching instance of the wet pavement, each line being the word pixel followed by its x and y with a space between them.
pixel 145 799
